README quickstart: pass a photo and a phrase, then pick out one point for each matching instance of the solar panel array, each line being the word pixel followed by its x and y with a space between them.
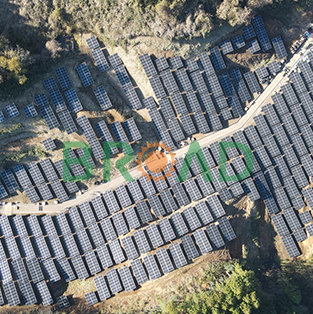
pixel 279 47
pixel 84 74
pixel 30 111
pixel 102 98
pixel 11 111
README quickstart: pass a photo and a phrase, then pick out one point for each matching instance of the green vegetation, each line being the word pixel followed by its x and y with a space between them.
pixel 34 151
pixel 35 34
pixel 235 292
pixel 10 129
pixel 230 288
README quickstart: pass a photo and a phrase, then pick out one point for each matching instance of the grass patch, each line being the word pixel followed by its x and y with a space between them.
pixel 34 151
pixel 10 129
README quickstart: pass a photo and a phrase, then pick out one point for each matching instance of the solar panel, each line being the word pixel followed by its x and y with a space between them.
pixel 157 87
pixel 34 270
pixel 215 236
pixel 49 116
pixel 120 224
pixel 11 293
pixel 9 181
pixel 87 213
pixel 289 94
pixel 127 279
pixel 102 288
pixel 116 251
pixel 187 124
pixel 96 235
pixel 56 247
pixel 213 85
pixel 152 267
pixel 176 62
pixel 279 47
pixel 104 256
pixel 271 115
pixel 291 246
pixel 92 262
pixel 299 116
pixel 49 144
pixel 297 82
pixel 166 230
pixel 192 190
pixel 115 60
pixel 217 59
pixel 147 65
pixel 280 225
pixel 105 135
pixel 183 80
pixel 202 241
pixel 119 132
pixel 168 201
pixel 41 100
pixel 248 32
pixel 226 47
pixel 132 130
pixel 306 71
pixel 92 42
pixel 226 229
pixel 139 271
pixel 22 176
pixel 111 201
pixel 67 121
pixel 191 218
pixel 274 67
pixel 41 247
pixel 57 100
pixel 281 198
pixel 191 65
pixel 50 270
pixel 164 261
pixel 132 97
pixel 73 100
pixel 144 212
pixel 102 98
pixel 91 298
pixel 80 268
pixel 44 293
pixel 2 117
pixel 242 90
pixel 198 82
pixel 83 241
pixel 129 248
pixel 263 39
pixel 29 110
pixel 59 191
pixel 305 217
pixel 169 81
pixel 84 74
pixel 19 270
pixel 100 59
pixel 154 236
pixel 132 218
pixel 205 63
pixel 253 46
pixel 238 42
pixel 149 102
pixel 99 207
pixel 178 224
pixel 5 272
pixel 161 64
pixel 114 281
pixel 226 84
pixel 141 241
pixel 63 78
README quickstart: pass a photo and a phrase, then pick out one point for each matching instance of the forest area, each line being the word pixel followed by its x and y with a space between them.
pixel 36 34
